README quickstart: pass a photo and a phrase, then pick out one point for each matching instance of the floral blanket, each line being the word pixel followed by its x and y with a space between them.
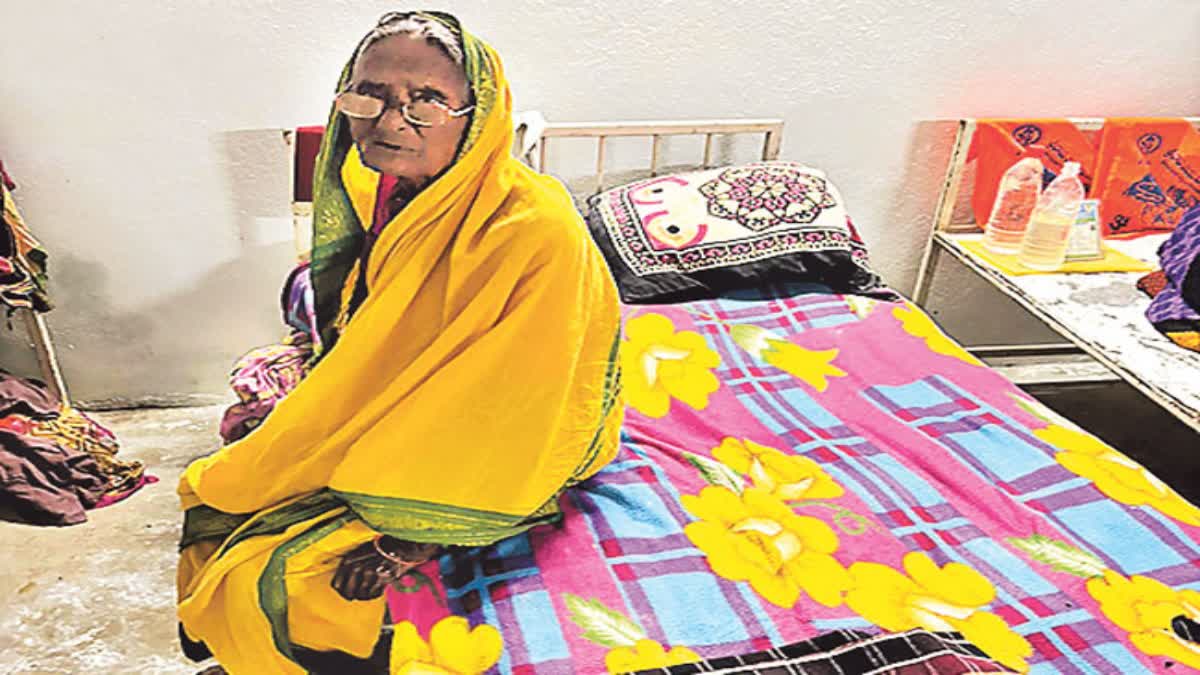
pixel 816 463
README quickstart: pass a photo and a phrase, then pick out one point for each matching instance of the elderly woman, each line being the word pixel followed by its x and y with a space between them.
pixel 466 373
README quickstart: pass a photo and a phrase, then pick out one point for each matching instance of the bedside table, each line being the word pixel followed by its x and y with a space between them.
pixel 1100 314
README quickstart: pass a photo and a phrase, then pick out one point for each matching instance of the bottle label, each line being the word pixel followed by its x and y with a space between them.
pixel 1084 242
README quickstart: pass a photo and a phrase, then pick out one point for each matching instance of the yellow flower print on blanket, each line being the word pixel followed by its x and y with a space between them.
pixel 861 306
pixel 812 367
pixel 918 324
pixel 659 364
pixel 755 537
pixel 645 655
pixel 787 477
pixel 1147 608
pixel 947 598
pixel 453 649
pixel 630 650
pixel 1114 474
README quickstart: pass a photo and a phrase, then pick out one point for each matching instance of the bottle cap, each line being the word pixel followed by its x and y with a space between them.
pixel 1069 169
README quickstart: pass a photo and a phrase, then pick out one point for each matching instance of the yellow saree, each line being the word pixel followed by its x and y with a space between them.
pixel 475 382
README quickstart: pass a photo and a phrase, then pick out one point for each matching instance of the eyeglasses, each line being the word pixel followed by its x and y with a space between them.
pixel 419 112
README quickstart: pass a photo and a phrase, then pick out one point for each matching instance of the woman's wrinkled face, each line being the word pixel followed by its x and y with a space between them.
pixel 400 69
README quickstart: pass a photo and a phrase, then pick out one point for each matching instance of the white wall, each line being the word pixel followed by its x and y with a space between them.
pixel 138 130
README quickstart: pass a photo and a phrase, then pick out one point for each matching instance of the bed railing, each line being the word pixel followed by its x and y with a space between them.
pixel 534 134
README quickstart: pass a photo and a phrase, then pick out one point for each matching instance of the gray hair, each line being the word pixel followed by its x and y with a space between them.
pixel 416 26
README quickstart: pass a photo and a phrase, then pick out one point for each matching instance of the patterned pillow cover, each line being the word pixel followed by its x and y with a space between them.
pixel 701 235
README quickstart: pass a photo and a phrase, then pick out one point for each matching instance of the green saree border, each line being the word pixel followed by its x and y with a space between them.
pixel 272 585
pixel 279 520
pixel 401 518
pixel 204 522
pixel 408 519
pixel 430 523
pixel 612 391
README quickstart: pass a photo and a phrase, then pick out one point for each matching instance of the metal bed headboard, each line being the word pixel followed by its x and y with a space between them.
pixel 533 134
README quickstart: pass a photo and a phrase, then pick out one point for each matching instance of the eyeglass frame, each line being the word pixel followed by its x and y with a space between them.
pixel 403 108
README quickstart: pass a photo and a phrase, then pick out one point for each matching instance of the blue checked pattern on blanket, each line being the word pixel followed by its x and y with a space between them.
pixel 936 455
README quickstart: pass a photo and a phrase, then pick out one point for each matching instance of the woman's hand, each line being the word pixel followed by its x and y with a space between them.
pixel 362 574
pixel 365 572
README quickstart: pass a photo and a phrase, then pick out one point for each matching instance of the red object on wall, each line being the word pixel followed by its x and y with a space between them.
pixel 308 144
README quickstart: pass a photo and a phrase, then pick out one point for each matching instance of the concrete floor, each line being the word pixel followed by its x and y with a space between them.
pixel 99 597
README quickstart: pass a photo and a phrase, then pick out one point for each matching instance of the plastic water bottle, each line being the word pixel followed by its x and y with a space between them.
pixel 1045 244
pixel 1018 194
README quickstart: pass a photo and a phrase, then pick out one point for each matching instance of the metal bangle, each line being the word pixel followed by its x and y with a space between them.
pixel 390 556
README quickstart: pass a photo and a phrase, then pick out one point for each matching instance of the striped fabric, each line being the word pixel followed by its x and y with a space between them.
pixel 847 652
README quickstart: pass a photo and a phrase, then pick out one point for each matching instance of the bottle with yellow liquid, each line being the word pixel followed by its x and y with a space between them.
pixel 1044 246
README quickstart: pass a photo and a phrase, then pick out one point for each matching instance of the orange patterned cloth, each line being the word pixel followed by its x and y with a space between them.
pixel 1144 171
pixel 1152 284
pixel 1148 174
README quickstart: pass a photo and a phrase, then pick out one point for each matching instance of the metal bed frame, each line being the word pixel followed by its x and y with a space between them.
pixel 534 133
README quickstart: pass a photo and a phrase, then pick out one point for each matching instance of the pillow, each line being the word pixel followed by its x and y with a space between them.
pixel 701 235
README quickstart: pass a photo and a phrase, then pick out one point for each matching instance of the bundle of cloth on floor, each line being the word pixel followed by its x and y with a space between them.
pixel 1175 310
pixel 56 462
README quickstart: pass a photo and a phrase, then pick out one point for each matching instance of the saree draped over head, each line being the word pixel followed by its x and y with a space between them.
pixel 475 382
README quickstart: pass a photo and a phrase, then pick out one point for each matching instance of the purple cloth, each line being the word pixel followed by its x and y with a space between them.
pixel 297 301
pixel 261 379
pixel 42 482
pixel 1175 309
pixel 264 376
